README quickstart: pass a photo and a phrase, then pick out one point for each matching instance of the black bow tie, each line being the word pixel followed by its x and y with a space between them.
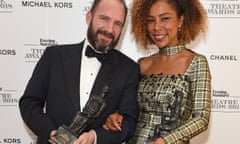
pixel 91 53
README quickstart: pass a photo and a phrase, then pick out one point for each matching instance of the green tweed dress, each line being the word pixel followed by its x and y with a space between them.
pixel 174 107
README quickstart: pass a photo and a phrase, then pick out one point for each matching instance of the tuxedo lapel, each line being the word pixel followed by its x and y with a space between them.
pixel 71 63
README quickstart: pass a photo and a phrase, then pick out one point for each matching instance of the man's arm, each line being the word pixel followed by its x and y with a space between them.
pixel 33 100
pixel 128 108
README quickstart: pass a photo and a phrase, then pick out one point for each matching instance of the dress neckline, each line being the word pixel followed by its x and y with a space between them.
pixel 171 50
pixel 165 74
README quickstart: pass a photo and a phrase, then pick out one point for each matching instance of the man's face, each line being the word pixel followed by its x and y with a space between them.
pixel 105 24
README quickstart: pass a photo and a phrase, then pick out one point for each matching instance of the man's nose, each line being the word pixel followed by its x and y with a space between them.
pixel 110 27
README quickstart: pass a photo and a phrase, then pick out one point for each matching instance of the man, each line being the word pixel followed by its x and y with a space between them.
pixel 65 77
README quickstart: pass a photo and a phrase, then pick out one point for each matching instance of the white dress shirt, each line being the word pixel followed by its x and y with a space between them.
pixel 89 70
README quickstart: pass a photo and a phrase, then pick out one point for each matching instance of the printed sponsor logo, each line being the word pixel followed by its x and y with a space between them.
pixel 4 5
pixel 46 4
pixel 36 50
pixel 222 8
pixel 7 97
pixel 222 101
pixel 8 52
pixel 10 141
pixel 47 42
pixel 34 54
pixel 223 58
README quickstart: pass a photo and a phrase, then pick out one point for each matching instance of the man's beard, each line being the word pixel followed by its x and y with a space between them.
pixel 97 44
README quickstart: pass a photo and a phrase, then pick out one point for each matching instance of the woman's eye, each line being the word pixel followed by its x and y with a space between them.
pixel 150 20
pixel 165 18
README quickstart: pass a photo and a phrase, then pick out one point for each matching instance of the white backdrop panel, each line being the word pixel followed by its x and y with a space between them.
pixel 27 27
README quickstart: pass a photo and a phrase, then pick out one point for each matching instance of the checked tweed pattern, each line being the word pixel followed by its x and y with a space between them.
pixel 174 107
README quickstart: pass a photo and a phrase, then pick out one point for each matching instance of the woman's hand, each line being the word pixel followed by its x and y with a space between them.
pixel 113 122
pixel 158 141
pixel 53 133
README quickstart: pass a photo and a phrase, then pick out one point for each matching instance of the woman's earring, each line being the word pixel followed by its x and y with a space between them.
pixel 179 28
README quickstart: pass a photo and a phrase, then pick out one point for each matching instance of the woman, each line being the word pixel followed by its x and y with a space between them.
pixel 175 89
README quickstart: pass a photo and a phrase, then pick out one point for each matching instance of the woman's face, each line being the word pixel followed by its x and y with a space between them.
pixel 163 24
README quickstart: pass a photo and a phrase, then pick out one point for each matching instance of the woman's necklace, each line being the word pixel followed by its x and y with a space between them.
pixel 171 50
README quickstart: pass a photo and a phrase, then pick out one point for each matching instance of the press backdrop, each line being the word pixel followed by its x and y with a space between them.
pixel 28 26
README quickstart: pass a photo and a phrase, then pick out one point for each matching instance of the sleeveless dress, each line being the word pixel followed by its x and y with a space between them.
pixel 174 107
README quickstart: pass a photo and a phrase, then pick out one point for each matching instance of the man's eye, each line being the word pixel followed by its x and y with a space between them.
pixel 119 24
pixel 104 18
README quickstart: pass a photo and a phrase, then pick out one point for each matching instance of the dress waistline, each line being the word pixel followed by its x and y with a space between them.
pixel 150 118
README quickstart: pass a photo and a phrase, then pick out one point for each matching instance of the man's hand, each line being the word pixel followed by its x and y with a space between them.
pixel 86 138
pixel 113 122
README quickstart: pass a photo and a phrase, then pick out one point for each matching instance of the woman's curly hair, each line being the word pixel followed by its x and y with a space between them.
pixel 194 19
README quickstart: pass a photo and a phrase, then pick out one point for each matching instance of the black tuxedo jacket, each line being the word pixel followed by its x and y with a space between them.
pixel 55 85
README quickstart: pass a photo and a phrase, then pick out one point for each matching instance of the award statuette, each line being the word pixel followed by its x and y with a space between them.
pixel 93 108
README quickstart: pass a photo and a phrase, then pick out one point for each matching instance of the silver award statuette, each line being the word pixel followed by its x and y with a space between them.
pixel 93 108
